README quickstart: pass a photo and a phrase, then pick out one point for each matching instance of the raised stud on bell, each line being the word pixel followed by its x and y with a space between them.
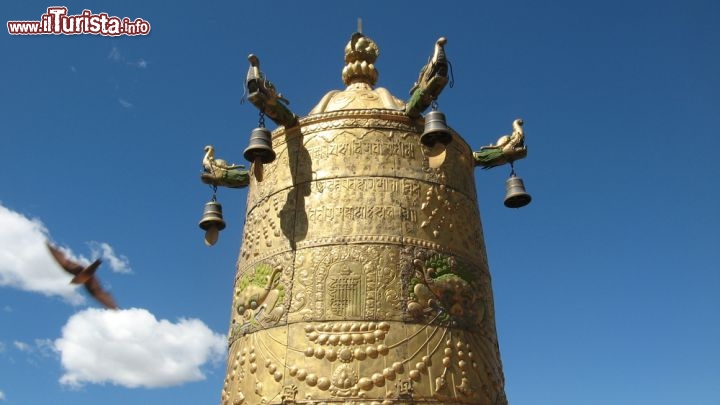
pixel 212 222
pixel 515 195
pixel 260 147
pixel 435 130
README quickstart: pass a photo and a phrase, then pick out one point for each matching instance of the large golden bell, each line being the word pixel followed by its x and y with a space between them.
pixel 362 277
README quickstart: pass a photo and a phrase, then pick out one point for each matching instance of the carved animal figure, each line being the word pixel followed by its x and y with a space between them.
pixel 256 82
pixel 431 81
pixel 512 141
pixel 264 95
pixel 218 172
pixel 210 162
pixel 437 66
pixel 439 287
pixel 84 275
pixel 507 149
pixel 256 290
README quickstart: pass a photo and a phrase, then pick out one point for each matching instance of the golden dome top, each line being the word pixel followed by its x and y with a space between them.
pixel 359 75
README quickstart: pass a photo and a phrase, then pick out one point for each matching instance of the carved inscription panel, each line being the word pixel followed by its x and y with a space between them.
pixel 357 144
pixel 358 209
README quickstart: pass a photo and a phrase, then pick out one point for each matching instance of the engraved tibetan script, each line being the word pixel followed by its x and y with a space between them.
pixel 364 148
pixel 360 213
pixel 410 188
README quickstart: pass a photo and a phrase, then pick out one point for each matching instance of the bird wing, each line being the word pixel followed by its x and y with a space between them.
pixel 95 289
pixel 67 264
pixel 86 273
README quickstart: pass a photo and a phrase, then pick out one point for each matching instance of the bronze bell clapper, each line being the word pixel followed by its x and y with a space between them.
pixel 515 194
pixel 436 129
pixel 212 221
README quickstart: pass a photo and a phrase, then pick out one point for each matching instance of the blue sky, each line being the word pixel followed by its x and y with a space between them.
pixel 606 285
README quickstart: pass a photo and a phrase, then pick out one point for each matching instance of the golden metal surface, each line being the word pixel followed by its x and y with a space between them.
pixel 362 277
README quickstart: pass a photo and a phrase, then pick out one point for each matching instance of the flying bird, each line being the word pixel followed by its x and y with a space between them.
pixel 84 275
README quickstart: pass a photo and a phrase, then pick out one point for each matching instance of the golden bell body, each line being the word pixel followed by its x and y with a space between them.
pixel 362 276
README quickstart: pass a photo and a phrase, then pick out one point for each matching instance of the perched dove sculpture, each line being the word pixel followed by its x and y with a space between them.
pixel 84 275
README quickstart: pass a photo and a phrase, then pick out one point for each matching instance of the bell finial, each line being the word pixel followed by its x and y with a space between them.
pixel 360 56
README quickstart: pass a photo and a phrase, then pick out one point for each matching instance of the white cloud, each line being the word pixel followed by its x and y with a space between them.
pixel 132 348
pixel 115 55
pixel 140 64
pixel 118 263
pixel 26 263
pixel 45 347
pixel 40 348
pixel 22 346
pixel 2 396
pixel 125 103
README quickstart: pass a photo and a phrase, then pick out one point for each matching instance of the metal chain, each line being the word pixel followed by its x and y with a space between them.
pixel 452 76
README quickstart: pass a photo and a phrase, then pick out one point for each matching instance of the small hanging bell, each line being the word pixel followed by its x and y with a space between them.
pixel 435 129
pixel 515 195
pixel 260 146
pixel 212 222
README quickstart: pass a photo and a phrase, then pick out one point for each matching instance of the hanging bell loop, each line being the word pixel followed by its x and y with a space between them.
pixel 435 129
pixel 212 221
pixel 515 195
pixel 260 146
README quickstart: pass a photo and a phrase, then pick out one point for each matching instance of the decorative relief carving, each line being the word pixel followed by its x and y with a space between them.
pixel 363 362
pixel 345 290
pixel 346 282
pixel 261 295
pixel 446 290
pixel 450 219
pixel 266 226
pixel 371 118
